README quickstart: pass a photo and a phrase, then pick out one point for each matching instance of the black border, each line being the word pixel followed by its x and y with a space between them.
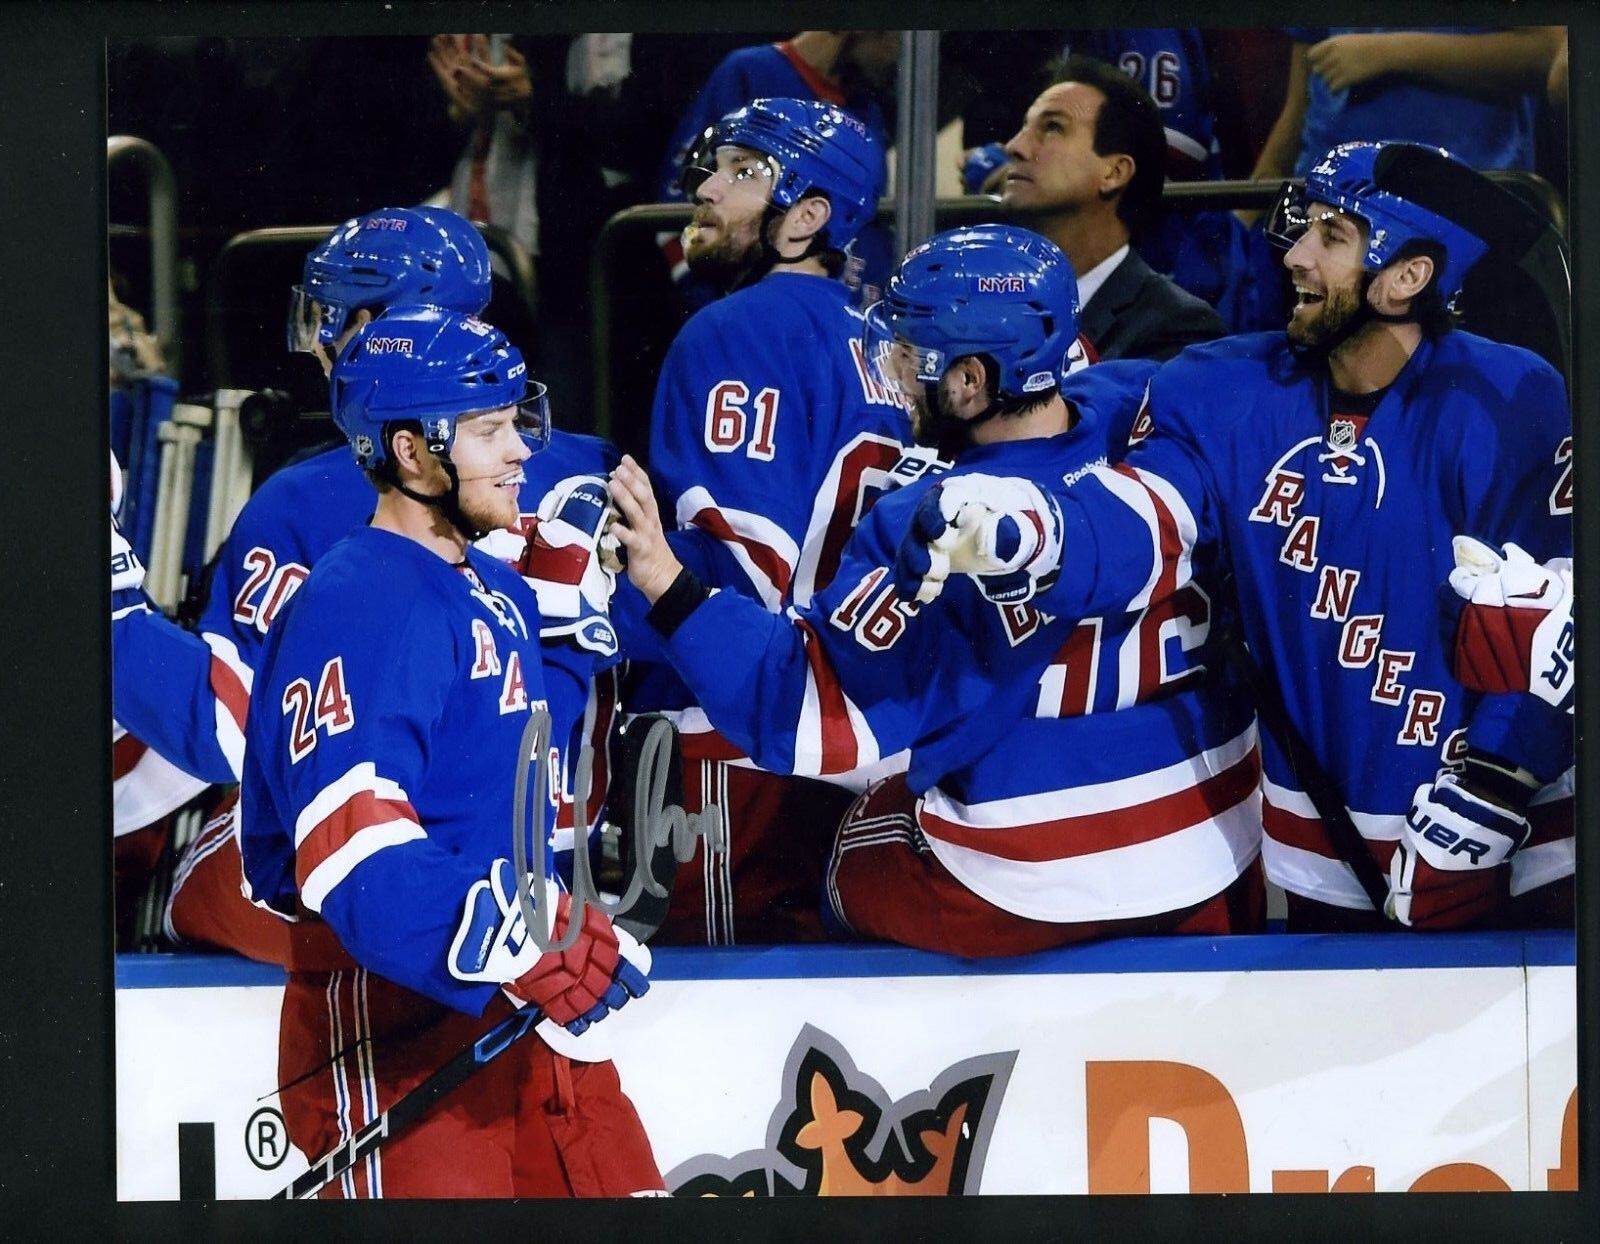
pixel 57 1139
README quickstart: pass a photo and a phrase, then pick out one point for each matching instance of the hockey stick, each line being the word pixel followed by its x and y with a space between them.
pixel 1319 787
pixel 642 919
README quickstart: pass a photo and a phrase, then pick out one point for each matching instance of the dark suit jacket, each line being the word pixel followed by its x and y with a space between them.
pixel 1138 313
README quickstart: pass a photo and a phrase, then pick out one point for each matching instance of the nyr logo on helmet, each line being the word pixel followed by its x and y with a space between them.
pixel 389 345
pixel 1001 285
pixel 389 224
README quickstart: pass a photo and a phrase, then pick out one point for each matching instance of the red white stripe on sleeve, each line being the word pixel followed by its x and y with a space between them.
pixel 832 735
pixel 144 784
pixel 1172 527
pixel 351 818
pixel 1300 856
pixel 1186 830
pixel 763 549
pixel 231 680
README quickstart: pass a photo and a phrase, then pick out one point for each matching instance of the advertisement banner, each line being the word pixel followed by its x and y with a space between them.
pixel 1269 1064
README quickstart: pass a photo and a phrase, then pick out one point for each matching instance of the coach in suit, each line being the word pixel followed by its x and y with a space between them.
pixel 1086 170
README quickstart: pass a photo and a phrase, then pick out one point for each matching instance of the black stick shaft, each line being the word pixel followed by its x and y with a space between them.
pixel 1342 831
pixel 413 1105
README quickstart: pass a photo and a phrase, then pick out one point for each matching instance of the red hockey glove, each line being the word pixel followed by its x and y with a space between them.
pixel 1452 864
pixel 574 987
pixel 1515 632
pixel 565 556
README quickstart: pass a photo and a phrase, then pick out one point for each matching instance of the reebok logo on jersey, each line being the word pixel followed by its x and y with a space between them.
pixel 1073 476
pixel 1539 595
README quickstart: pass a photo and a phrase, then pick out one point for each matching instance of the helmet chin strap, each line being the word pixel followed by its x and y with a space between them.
pixel 949 434
pixel 1365 314
pixel 448 502
pixel 770 257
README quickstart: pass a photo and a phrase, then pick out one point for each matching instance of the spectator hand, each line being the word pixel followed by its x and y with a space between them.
pixel 1450 866
pixel 1344 61
pixel 448 57
pixel 475 87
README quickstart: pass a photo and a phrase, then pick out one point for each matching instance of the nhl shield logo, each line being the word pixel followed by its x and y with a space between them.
pixel 1342 435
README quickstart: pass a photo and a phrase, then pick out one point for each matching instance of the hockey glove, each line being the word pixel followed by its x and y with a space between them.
pixel 980 165
pixel 565 564
pixel 1448 870
pixel 1515 632
pixel 1003 531
pixel 575 987
pixel 127 571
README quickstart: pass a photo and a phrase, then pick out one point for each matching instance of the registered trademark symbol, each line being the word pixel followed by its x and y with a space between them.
pixel 266 1139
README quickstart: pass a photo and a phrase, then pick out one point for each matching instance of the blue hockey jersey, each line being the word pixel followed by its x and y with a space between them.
pixel 304 509
pixel 1337 529
pixel 1170 64
pixel 769 439
pixel 390 705
pixel 1070 771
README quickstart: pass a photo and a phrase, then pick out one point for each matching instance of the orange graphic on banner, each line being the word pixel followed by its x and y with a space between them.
pixel 837 1133
pixel 1564 1178
pixel 1123 1097
pixel 831 1128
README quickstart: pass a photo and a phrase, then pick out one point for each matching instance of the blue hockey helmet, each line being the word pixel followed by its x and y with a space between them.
pixel 398 256
pixel 1404 192
pixel 815 148
pixel 996 290
pixel 435 367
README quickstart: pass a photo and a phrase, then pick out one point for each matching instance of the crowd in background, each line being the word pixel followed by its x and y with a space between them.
pixel 548 136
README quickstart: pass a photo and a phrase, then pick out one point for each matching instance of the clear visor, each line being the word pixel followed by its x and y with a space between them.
pixel 741 165
pixel 1293 214
pixel 700 163
pixel 311 323
pixel 893 362
pixel 1289 217
pixel 533 417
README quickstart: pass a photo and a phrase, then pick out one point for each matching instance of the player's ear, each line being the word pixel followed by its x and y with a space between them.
pixel 806 219
pixel 1401 281
pixel 406 451
pixel 968 381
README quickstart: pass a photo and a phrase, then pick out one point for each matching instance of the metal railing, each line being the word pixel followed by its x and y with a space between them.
pixel 164 317
pixel 630 225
